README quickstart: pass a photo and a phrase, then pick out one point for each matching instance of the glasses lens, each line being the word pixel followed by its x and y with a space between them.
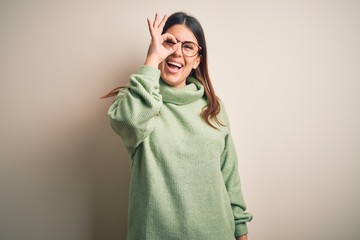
pixel 168 44
pixel 190 49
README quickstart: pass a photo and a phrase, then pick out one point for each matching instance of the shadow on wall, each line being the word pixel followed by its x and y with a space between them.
pixel 111 172
pixel 111 166
pixel 66 175
pixel 103 159
pixel 102 151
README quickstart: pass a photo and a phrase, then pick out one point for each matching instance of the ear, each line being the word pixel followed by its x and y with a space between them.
pixel 197 62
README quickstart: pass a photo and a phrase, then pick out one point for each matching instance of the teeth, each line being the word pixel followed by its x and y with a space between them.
pixel 175 64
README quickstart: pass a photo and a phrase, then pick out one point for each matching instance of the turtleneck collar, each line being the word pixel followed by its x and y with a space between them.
pixel 192 91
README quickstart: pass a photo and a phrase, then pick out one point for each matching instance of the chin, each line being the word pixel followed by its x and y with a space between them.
pixel 173 81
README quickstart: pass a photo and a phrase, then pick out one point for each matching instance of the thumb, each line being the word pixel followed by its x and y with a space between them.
pixel 175 47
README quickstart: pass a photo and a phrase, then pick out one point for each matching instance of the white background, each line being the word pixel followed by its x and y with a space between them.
pixel 288 72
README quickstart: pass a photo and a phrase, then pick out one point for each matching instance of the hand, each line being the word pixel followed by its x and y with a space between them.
pixel 157 52
pixel 243 237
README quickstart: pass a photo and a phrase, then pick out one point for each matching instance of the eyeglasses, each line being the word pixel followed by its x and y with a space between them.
pixel 188 48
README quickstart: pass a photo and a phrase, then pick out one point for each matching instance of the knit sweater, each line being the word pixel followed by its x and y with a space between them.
pixel 184 174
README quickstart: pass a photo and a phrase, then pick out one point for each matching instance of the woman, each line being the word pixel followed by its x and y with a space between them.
pixel 184 176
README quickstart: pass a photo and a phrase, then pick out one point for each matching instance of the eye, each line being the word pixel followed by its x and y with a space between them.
pixel 169 42
pixel 189 46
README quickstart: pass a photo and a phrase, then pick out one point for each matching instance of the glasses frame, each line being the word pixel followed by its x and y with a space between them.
pixel 182 44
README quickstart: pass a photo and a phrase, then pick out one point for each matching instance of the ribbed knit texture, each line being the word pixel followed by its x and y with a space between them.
pixel 184 173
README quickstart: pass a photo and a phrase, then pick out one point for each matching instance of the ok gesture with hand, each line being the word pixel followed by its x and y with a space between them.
pixel 157 52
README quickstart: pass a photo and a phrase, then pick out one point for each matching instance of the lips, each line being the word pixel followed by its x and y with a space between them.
pixel 176 64
pixel 173 66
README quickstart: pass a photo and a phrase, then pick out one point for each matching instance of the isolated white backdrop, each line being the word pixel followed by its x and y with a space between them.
pixel 288 72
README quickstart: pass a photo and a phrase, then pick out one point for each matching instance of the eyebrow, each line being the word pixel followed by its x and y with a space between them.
pixel 185 41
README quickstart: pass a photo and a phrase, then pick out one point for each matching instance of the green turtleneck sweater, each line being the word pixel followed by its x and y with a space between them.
pixel 184 174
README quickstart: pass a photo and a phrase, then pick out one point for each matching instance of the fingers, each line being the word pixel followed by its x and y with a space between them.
pixel 156 27
pixel 150 26
pixel 163 21
pixel 157 50
pixel 168 36
pixel 156 20
pixel 174 48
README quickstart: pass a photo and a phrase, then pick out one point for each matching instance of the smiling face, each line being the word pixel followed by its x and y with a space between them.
pixel 177 67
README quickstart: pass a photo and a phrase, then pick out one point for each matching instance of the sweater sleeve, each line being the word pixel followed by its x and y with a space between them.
pixel 229 169
pixel 135 109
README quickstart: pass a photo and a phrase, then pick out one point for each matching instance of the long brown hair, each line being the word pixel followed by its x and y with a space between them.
pixel 211 111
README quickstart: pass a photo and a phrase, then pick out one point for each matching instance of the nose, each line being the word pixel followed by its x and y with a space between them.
pixel 178 51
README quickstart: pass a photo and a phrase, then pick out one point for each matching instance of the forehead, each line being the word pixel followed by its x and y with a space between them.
pixel 182 33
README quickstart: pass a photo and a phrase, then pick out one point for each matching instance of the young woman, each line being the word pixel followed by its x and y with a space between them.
pixel 184 174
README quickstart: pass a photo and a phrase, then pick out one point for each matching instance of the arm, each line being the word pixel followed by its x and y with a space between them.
pixel 229 169
pixel 133 113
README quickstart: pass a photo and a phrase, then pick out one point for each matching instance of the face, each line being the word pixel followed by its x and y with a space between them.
pixel 177 67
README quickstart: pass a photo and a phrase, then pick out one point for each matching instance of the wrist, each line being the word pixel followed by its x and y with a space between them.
pixel 152 61
pixel 243 237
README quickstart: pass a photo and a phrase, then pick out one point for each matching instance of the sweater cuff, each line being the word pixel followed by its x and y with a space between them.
pixel 151 72
pixel 240 229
